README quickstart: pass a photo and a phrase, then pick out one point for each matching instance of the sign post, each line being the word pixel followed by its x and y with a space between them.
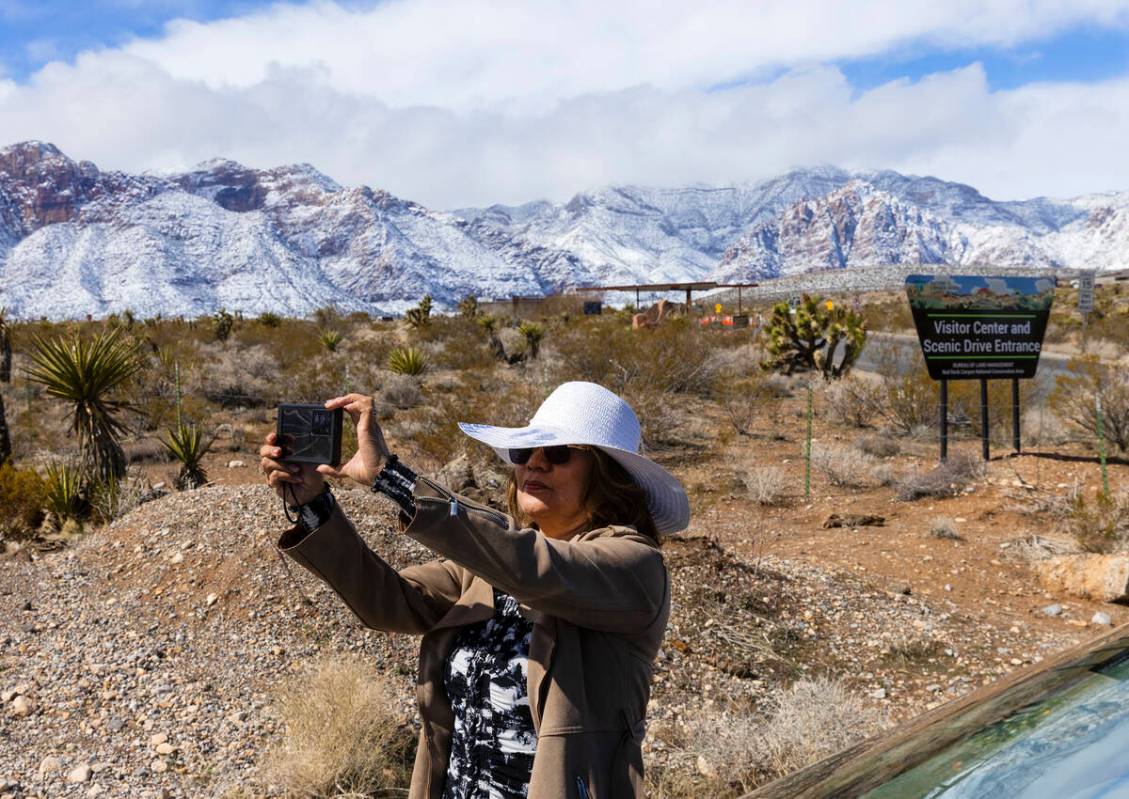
pixel 980 328
pixel 1085 301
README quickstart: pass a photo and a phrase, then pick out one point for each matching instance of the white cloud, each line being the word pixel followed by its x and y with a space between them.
pixel 470 103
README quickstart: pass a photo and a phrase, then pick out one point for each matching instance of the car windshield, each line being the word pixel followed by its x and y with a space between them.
pixel 1071 744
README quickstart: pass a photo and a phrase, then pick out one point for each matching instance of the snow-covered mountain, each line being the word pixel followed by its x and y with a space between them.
pixel 75 240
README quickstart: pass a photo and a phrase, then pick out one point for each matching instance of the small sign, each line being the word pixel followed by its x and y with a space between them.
pixel 973 327
pixel 593 308
pixel 794 301
pixel 1086 292
pixel 717 307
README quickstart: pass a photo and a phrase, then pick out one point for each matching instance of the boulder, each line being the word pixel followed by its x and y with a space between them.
pixel 1102 578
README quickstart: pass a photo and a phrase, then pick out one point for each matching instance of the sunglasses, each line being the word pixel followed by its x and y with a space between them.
pixel 557 455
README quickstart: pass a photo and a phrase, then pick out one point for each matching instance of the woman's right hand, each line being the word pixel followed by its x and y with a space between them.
pixel 296 483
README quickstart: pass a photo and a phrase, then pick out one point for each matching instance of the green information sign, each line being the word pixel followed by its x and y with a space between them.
pixel 972 327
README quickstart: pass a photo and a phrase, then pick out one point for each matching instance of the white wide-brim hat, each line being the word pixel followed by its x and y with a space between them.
pixel 587 413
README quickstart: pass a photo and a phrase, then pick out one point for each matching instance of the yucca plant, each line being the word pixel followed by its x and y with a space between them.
pixel 407 361
pixel 330 339
pixel 87 374
pixel 268 319
pixel 65 496
pixel 186 443
pixel 532 333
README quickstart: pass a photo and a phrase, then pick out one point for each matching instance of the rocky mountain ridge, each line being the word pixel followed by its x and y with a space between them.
pixel 75 240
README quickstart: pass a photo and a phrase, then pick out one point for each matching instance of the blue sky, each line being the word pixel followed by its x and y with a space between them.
pixel 468 102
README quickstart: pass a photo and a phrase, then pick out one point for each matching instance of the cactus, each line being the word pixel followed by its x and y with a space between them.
pixel 222 323
pixel 468 306
pixel 820 336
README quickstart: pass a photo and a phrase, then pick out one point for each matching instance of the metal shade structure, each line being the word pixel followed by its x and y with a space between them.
pixel 689 288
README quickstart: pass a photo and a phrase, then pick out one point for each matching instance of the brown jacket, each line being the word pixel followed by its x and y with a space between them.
pixel 599 604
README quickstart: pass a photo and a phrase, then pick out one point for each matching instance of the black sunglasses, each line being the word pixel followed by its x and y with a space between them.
pixel 557 455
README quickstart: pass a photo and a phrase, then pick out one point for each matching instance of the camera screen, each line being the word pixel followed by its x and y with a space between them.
pixel 313 436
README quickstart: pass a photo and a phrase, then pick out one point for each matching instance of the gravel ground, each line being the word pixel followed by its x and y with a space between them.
pixel 140 661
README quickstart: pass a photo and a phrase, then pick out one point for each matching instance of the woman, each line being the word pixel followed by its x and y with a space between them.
pixel 539 627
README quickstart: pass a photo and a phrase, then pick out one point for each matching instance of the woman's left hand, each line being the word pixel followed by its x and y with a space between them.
pixel 372 451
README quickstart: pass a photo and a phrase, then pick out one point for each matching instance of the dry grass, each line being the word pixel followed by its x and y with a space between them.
pixel 944 527
pixel 343 735
pixel 879 446
pixel 765 485
pixel 946 480
pixel 726 754
pixel 1099 524
pixel 848 467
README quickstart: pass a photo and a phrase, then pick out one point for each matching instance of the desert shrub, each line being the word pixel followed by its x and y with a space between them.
pixel 401 391
pixel 1075 394
pixel 853 401
pixel 23 496
pixel 944 527
pixel 948 479
pixel 238 377
pixel 877 445
pixel 268 319
pixel 407 361
pixel 909 399
pixel 343 734
pixel 1042 426
pixel 730 753
pixel 765 485
pixel 848 467
pixel 1100 524
pixel 113 498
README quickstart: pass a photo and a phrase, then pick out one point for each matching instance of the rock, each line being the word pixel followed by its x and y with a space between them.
pixel 165 749
pixel 20 707
pixel 79 774
pixel 878 693
pixel 898 587
pixel 1102 578
pixel 177 557
pixel 159 766
pixel 158 738
pixel 1101 619
pixel 705 768
pixel 49 765
pixel 95 790
pixel 236 464
pixel 7 695
pixel 116 725
pixel 211 599
pixel 853 520
pixel 1052 610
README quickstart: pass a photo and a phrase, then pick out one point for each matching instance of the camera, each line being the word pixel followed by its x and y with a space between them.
pixel 309 433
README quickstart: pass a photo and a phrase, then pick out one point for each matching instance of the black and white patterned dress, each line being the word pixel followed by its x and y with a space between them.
pixel 493 740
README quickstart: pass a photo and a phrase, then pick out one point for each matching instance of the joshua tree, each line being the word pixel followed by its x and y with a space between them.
pixel 5 347
pixel 809 338
pixel 222 323
pixel 420 316
pixel 468 306
pixel 87 374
